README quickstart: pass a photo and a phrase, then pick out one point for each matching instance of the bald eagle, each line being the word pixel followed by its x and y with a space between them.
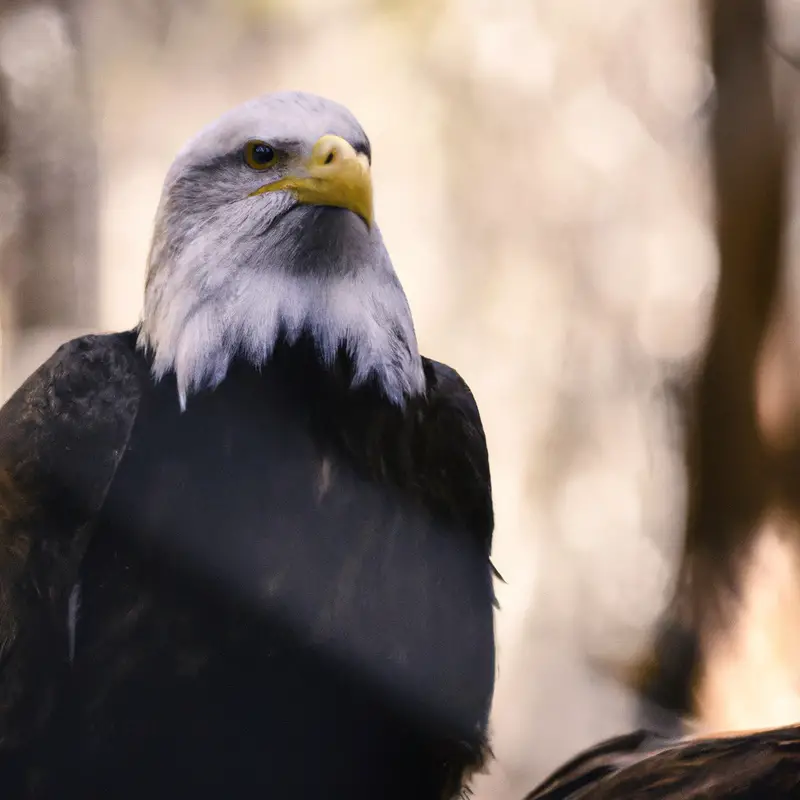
pixel 245 546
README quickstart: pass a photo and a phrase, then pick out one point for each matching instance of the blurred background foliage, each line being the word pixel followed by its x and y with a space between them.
pixel 544 183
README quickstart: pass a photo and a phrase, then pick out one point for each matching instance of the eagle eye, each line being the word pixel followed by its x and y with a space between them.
pixel 258 155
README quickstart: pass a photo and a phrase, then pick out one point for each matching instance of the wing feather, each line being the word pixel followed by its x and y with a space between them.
pixel 62 434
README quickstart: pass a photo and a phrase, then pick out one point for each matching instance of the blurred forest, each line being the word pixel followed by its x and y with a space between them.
pixel 590 207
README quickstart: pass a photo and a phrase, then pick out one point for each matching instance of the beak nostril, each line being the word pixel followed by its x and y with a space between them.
pixel 329 158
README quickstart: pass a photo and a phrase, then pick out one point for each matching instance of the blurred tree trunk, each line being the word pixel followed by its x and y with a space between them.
pixel 48 255
pixel 734 478
pixel 728 465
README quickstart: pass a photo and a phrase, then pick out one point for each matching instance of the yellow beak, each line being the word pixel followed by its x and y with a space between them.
pixel 334 175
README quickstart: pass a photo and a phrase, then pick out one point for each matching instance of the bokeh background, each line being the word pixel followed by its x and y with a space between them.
pixel 543 183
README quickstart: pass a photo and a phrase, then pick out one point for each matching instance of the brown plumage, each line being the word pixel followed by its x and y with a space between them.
pixel 747 766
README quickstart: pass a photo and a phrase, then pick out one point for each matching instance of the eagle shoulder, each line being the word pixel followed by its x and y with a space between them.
pixel 459 441
pixel 62 435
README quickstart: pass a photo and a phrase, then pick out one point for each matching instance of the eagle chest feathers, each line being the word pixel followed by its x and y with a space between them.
pixel 331 513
